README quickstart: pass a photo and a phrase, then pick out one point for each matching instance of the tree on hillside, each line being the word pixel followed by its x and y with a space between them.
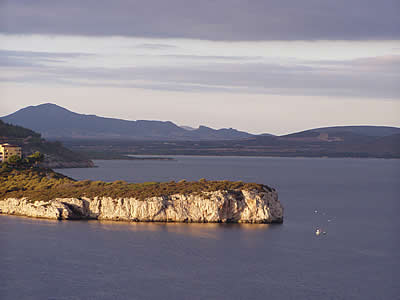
pixel 17 163
pixel 14 160
pixel 35 158
pixel 4 168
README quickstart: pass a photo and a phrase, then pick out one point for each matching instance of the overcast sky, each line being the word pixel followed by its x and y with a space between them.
pixel 260 66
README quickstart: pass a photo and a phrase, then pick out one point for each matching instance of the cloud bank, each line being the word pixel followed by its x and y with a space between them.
pixel 229 20
pixel 365 77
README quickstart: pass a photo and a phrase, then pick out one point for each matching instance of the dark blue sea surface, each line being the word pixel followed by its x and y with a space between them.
pixel 356 201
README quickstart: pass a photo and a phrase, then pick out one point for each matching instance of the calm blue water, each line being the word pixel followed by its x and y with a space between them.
pixel 359 258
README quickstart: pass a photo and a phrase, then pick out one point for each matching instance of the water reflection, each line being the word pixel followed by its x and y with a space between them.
pixel 33 221
pixel 202 230
pixel 199 230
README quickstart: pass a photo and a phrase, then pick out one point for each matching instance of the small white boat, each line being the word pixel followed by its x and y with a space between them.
pixel 318 232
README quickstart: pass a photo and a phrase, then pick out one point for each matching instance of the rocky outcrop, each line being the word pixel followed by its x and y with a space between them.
pixel 58 164
pixel 218 206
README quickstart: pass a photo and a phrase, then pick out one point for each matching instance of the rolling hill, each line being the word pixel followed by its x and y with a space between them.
pixel 113 138
pixel 55 122
pixel 372 131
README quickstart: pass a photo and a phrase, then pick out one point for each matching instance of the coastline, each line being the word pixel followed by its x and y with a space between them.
pixel 253 207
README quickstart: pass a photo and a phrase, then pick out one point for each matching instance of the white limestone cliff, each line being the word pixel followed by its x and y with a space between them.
pixel 219 206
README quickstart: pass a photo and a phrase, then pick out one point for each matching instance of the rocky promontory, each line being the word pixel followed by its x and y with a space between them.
pixel 46 194
pixel 218 206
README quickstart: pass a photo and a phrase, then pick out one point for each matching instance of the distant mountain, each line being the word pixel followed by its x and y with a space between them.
pixel 216 134
pixel 55 122
pixel 345 144
pixel 90 133
pixel 342 131
pixel 188 128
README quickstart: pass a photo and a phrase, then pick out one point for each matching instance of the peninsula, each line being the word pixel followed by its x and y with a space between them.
pixel 42 193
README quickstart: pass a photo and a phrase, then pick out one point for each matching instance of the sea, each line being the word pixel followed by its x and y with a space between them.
pixel 356 202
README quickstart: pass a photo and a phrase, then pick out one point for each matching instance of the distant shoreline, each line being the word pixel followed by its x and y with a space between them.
pixel 172 156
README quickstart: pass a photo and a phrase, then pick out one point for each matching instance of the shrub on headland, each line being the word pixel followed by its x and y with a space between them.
pixel 17 163
pixel 44 184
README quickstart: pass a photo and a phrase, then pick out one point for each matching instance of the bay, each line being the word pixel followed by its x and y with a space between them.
pixel 356 201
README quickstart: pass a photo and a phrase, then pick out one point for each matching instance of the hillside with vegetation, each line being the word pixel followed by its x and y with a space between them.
pixel 55 154
pixel 25 180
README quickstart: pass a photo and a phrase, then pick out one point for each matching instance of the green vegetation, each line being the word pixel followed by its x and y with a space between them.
pixel 8 130
pixel 55 153
pixel 17 163
pixel 44 184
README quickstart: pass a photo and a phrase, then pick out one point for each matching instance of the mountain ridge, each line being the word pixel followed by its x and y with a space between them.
pixel 368 130
pixel 56 122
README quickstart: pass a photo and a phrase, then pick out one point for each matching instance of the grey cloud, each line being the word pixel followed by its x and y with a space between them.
pixel 37 54
pixel 378 67
pixel 212 20
pixel 206 57
pixel 375 77
pixel 156 46
pixel 34 58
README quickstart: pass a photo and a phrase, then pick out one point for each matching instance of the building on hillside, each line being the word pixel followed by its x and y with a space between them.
pixel 7 150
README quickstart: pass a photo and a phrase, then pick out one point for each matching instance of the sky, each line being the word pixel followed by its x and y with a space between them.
pixel 260 66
